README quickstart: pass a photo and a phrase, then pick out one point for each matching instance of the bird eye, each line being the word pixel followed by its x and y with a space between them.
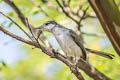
pixel 46 24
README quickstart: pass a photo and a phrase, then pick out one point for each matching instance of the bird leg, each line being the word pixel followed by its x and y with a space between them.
pixel 73 65
pixel 73 68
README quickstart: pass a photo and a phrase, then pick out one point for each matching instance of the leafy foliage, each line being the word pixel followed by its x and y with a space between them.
pixel 38 66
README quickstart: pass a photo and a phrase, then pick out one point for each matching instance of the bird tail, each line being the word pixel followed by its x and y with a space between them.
pixel 103 54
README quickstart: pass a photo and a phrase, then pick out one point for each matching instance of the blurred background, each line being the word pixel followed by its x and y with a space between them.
pixel 20 61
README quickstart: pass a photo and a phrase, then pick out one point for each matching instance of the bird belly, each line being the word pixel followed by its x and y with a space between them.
pixel 69 46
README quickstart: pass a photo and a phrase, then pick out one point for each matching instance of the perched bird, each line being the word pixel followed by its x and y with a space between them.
pixel 68 40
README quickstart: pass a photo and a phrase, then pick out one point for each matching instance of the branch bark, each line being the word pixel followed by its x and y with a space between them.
pixel 91 71
pixel 109 16
pixel 50 52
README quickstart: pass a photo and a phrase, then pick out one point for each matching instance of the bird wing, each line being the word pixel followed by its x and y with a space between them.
pixel 77 40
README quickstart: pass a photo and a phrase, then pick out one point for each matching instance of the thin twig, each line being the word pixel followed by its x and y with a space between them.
pixel 68 9
pixel 84 13
pixel 80 7
pixel 95 34
pixel 16 25
pixel 82 18
pixel 28 25
pixel 17 37
pixel 39 33
pixel 66 13
pixel 32 32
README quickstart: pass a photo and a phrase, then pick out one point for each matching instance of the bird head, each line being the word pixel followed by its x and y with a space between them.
pixel 48 26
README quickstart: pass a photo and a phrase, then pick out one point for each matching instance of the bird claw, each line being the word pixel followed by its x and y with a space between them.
pixel 73 68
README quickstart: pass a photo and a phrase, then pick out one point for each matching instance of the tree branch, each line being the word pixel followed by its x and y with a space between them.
pixel 50 52
pixel 16 24
pixel 84 13
pixel 16 37
pixel 23 19
pixel 68 14
pixel 91 71
pixel 109 16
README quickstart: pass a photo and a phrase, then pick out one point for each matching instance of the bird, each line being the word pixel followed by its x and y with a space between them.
pixel 69 41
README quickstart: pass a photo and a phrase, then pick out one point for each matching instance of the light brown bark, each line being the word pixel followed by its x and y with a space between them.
pixel 109 16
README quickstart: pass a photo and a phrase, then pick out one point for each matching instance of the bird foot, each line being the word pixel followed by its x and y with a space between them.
pixel 73 68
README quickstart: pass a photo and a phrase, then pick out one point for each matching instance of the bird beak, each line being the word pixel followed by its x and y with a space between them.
pixel 41 27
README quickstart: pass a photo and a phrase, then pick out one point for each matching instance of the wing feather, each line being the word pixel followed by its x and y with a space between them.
pixel 77 40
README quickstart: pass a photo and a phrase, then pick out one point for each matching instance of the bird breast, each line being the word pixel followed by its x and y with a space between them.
pixel 68 45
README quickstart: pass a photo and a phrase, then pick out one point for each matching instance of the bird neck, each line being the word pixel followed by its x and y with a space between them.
pixel 57 30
